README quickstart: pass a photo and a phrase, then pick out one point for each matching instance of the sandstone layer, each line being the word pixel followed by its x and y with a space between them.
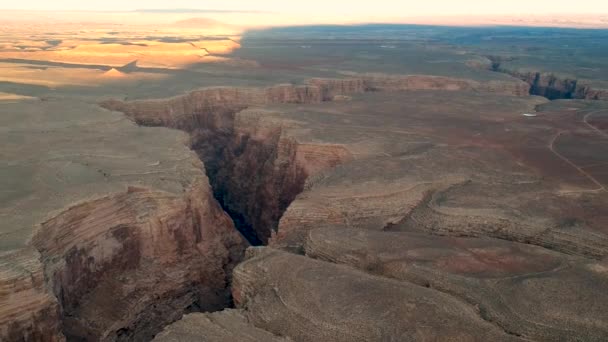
pixel 227 325
pixel 182 111
pixel 311 300
pixel 503 280
pixel 29 312
pixel 109 230
pixel 124 265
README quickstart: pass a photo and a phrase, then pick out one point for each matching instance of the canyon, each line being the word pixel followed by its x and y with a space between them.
pixel 393 208
pixel 549 85
pixel 357 205
pixel 236 145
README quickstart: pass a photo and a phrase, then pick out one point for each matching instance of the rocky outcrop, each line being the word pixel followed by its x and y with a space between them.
pixel 227 325
pixel 122 266
pixel 109 230
pixel 522 288
pixel 311 300
pixel 28 312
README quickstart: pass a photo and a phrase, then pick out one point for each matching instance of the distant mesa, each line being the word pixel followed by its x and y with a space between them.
pixel 129 67
pixel 14 97
pixel 114 73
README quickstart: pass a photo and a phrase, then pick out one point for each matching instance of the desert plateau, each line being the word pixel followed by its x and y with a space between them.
pixel 245 175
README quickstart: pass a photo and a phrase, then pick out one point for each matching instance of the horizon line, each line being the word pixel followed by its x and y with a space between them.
pixel 142 10
pixel 208 10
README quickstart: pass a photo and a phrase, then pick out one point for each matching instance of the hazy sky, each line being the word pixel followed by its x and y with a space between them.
pixel 357 8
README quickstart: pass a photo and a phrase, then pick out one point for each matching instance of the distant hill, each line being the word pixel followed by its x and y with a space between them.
pixel 113 73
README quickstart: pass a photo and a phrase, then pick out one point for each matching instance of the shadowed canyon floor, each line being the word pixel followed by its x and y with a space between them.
pixel 400 190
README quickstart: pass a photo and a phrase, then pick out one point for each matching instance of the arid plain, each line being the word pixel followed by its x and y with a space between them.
pixel 195 180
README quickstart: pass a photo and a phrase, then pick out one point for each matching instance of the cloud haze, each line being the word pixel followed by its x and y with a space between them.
pixel 392 8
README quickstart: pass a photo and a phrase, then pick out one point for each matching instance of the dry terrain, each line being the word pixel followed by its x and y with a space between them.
pixel 386 176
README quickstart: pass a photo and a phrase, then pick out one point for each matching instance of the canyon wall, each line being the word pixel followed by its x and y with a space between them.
pixel 188 112
pixel 122 266
pixel 545 84
pixel 255 169
pixel 554 87
pixel 28 312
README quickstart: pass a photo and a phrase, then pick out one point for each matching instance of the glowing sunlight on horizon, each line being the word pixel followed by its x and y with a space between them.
pixel 336 7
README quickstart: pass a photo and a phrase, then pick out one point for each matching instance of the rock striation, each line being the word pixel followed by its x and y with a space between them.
pixel 311 300
pixel 119 267
pixel 109 230
pixel 122 266
pixel 28 311
pixel 182 111
pixel 227 325
pixel 504 280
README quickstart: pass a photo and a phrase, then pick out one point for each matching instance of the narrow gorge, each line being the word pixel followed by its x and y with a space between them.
pixel 254 169
pixel 123 266
pixel 549 85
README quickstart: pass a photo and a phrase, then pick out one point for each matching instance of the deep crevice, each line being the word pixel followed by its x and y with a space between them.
pixel 253 169
pixel 546 84
pixel 255 175
pixel 254 179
